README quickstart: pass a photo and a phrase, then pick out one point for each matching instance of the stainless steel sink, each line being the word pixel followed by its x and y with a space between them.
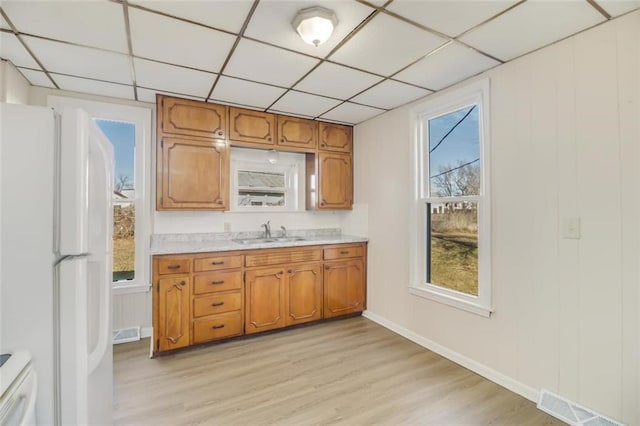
pixel 269 240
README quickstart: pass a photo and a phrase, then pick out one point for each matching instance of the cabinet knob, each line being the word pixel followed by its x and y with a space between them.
pixel 220 132
pixel 323 144
pixel 290 271
pixel 219 202
pixel 183 283
pixel 215 327
pixel 281 139
pixel 327 267
pixel 217 304
pixel 269 138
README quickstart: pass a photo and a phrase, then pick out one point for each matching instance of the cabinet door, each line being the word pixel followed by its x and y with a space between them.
pixel 335 137
pixel 194 174
pixel 192 118
pixel 253 127
pixel 265 300
pixel 297 133
pixel 303 293
pixel 335 181
pixel 173 312
pixel 343 288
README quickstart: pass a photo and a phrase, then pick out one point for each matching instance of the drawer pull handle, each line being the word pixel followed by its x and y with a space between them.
pixel 216 327
pixel 217 282
pixel 217 304
pixel 344 251
pixel 218 263
pixel 173 267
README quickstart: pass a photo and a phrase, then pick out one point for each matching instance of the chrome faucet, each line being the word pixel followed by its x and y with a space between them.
pixel 267 229
pixel 284 231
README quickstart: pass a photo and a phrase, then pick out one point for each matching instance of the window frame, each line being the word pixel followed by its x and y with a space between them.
pixel 255 160
pixel 141 118
pixel 454 100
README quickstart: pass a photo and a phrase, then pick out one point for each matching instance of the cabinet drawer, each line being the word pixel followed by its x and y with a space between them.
pixel 217 327
pixel 216 304
pixel 219 281
pixel 173 266
pixel 281 257
pixel 343 252
pixel 216 263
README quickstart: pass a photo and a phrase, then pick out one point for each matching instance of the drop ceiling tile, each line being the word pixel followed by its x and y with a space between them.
pixel 377 2
pixel 352 113
pixel 85 62
pixel 390 94
pixel 225 15
pixel 385 45
pixel 94 87
pixel 532 25
pixel 271 22
pixel 451 17
pixel 292 114
pixel 12 50
pixel 336 81
pixel 149 95
pixel 166 39
pixel 154 75
pixel 90 23
pixel 448 65
pixel 267 64
pixel 245 92
pixel 305 104
pixel 618 7
pixel 36 78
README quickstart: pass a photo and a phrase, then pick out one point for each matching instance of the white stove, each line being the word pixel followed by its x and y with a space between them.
pixel 18 388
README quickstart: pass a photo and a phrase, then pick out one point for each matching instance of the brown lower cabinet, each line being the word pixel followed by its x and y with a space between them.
pixel 205 297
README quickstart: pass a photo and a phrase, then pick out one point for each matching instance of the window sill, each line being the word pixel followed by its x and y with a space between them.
pixel 425 292
pixel 120 289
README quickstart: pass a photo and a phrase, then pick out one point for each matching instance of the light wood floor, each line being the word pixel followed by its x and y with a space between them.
pixel 350 372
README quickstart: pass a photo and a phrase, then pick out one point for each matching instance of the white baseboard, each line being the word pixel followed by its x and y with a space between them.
pixel 481 369
pixel 146 332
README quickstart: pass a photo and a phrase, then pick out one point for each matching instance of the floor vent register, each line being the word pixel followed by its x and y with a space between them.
pixel 571 412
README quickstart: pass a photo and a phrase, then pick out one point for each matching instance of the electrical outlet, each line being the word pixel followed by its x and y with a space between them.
pixel 571 228
pixel 227 227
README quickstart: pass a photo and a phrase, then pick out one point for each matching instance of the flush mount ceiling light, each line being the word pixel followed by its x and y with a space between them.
pixel 315 24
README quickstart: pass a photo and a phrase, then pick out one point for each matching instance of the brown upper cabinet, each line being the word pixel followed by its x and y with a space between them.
pixel 335 137
pixel 191 118
pixel 193 174
pixel 251 128
pixel 192 153
pixel 297 133
pixel 332 175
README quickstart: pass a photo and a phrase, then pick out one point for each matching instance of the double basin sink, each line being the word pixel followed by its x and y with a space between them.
pixel 269 240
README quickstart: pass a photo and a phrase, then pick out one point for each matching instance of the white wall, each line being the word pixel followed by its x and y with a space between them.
pixel 565 142
pixel 14 88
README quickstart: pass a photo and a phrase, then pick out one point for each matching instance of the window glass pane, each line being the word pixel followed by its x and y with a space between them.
pixel 454 153
pixel 452 257
pixel 122 137
pixel 257 188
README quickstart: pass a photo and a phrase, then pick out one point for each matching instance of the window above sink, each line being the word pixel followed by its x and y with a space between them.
pixel 258 185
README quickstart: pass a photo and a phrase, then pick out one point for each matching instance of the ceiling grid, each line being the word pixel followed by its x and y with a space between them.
pixel 383 54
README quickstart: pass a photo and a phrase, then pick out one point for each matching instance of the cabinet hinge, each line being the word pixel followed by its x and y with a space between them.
pixel 161 143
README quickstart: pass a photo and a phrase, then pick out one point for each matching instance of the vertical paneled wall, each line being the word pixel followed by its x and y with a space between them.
pixel 565 143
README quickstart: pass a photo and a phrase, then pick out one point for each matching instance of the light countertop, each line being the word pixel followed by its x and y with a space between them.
pixel 213 242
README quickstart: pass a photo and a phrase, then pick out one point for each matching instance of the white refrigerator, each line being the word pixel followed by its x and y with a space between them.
pixel 56 186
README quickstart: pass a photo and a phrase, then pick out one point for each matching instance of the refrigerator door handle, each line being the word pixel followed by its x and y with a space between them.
pixel 104 328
